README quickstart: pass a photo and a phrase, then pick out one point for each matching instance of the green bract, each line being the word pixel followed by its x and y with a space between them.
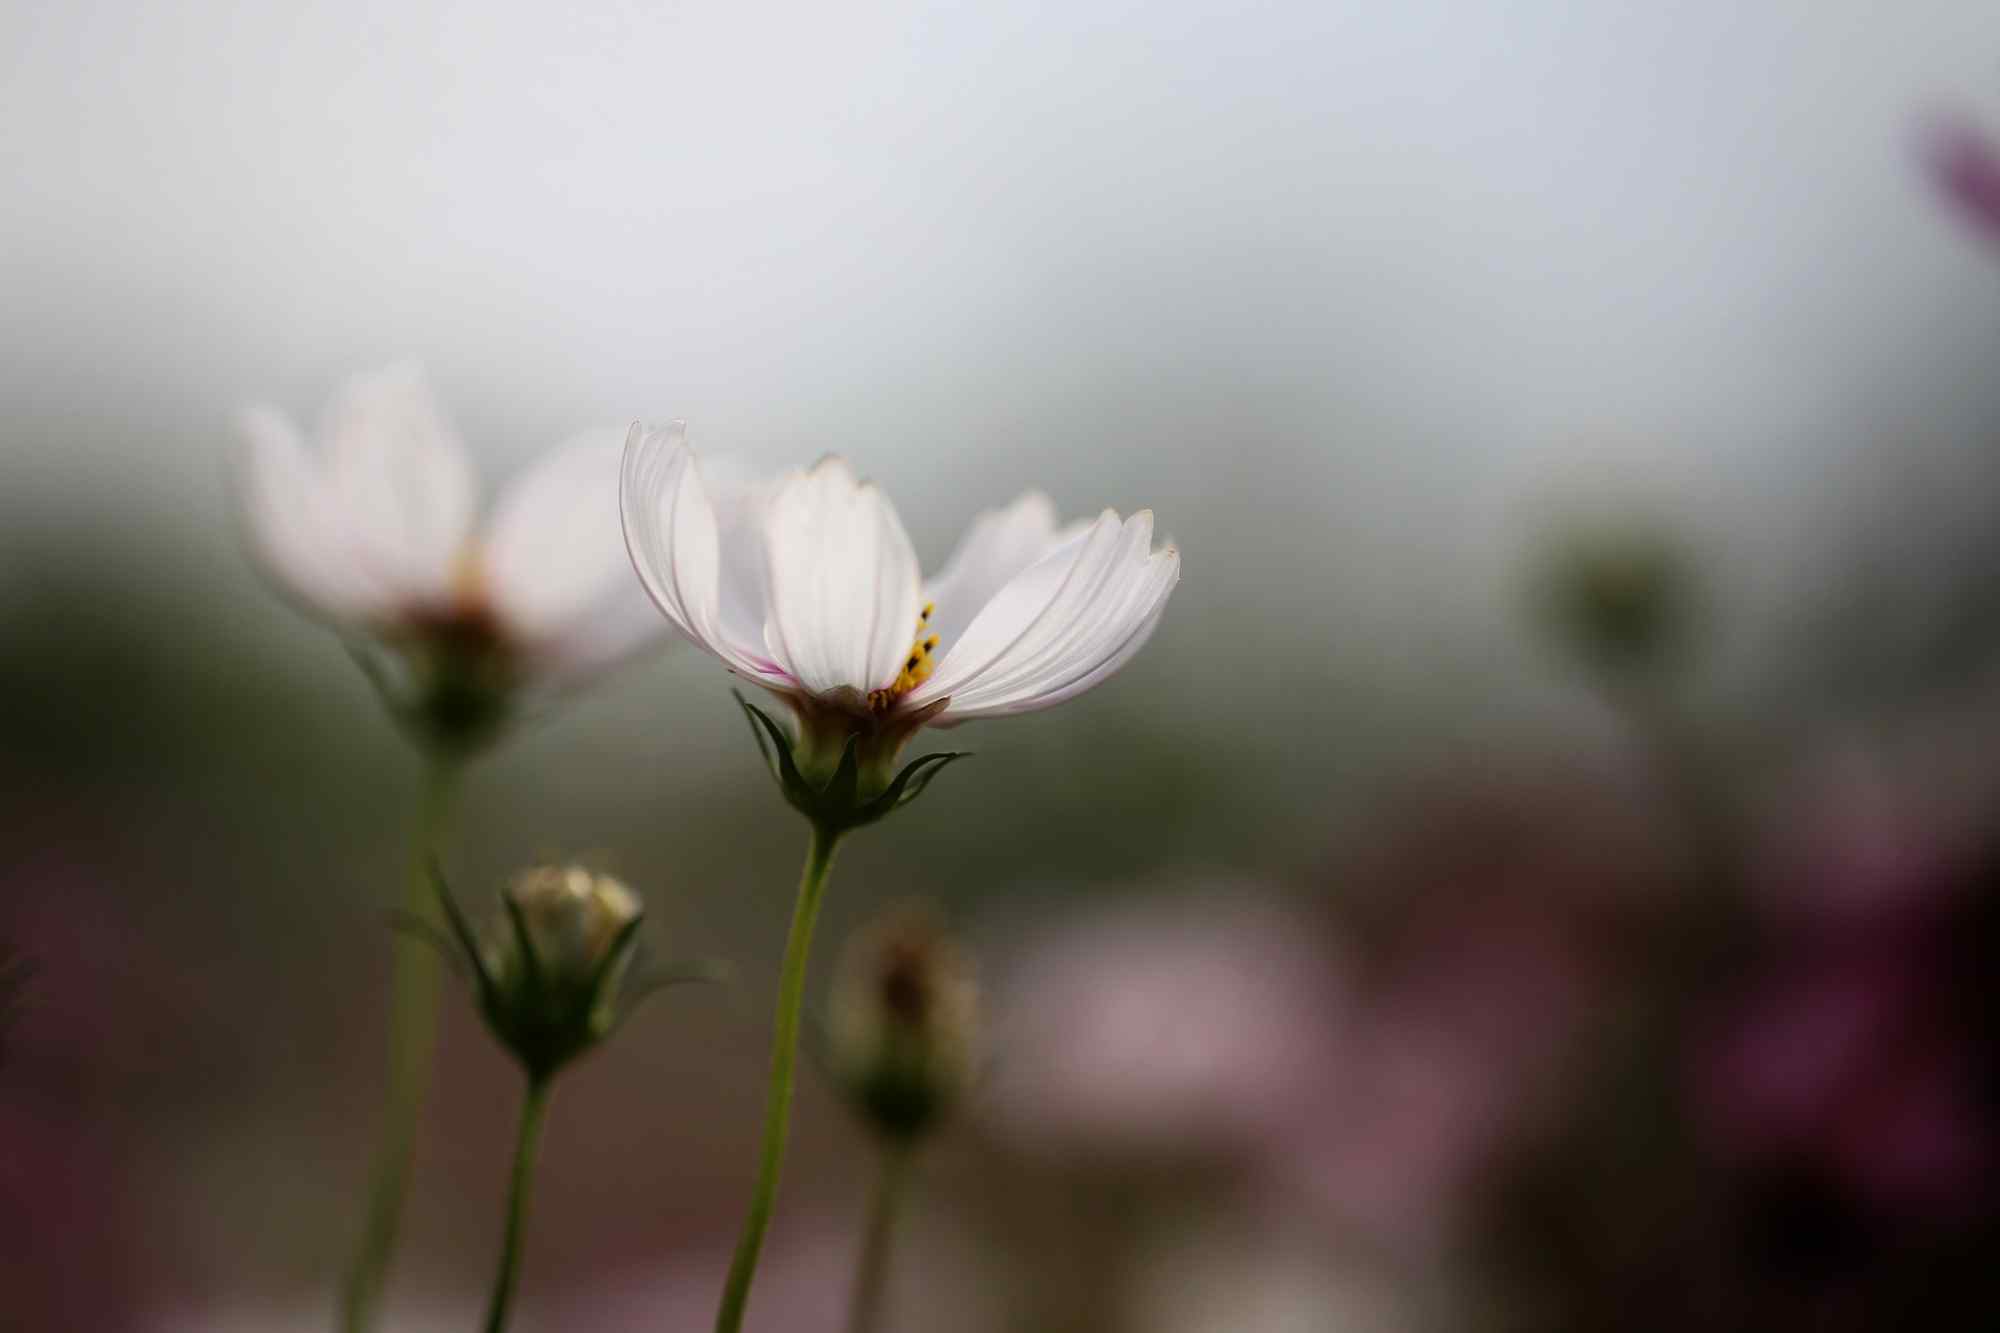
pixel 557 974
pixel 841 781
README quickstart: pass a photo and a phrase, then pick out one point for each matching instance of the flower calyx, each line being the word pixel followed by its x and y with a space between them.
pixel 839 769
pixel 558 972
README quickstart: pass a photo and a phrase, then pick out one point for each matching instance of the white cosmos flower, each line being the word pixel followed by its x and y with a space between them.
pixel 809 587
pixel 375 533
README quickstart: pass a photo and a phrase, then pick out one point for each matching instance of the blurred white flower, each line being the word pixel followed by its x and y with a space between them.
pixel 810 588
pixel 1192 1029
pixel 374 532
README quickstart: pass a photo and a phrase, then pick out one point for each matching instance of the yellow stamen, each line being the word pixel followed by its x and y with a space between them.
pixel 917 667
pixel 468 578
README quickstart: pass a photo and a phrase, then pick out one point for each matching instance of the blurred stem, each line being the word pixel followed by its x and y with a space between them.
pixel 872 1272
pixel 534 1108
pixel 778 1095
pixel 412 1034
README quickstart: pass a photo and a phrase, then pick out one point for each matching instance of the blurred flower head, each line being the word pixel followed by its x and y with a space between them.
pixel 809 587
pixel 1966 165
pixel 1619 596
pixel 374 533
pixel 903 1022
pixel 1191 1030
pixel 552 972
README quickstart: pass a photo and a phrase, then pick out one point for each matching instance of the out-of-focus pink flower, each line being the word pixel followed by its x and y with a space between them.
pixel 1189 1028
pixel 1966 164
pixel 1453 1041
pixel 1848 1058
pixel 1860 845
pixel 1805 1036
pixel 1849 1051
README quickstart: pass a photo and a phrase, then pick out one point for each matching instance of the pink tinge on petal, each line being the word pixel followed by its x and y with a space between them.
pixel 1966 165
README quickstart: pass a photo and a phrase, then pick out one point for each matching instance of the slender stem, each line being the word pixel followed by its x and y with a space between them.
pixel 412 1035
pixel 778 1095
pixel 871 1273
pixel 534 1107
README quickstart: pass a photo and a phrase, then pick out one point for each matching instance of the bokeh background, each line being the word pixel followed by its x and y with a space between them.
pixel 1367 956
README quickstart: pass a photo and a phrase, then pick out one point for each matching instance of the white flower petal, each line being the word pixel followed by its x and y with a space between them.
pixel 553 550
pixel 999 544
pixel 740 497
pixel 1109 656
pixel 1060 626
pixel 295 524
pixel 404 482
pixel 619 630
pixel 841 580
pixel 674 541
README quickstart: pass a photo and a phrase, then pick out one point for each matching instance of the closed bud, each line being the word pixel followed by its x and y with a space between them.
pixel 903 1023
pixel 552 969
pixel 1622 597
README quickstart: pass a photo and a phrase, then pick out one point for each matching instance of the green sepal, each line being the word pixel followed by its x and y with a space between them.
pixel 642 985
pixel 837 806
pixel 468 943
pixel 544 1021
pixel 413 927
pixel 454 700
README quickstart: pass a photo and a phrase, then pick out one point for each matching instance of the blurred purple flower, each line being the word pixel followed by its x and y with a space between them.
pixel 1966 165
pixel 1847 1059
pixel 1849 1049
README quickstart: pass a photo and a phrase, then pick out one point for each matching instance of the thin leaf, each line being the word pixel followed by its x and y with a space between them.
pixel 467 941
pixel 411 926
pixel 531 963
pixel 614 953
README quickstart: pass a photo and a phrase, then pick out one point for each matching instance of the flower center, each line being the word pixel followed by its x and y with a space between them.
pixel 917 667
pixel 468 580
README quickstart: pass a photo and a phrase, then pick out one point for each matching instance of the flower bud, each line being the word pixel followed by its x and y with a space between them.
pixel 1621 597
pixel 552 969
pixel 903 1023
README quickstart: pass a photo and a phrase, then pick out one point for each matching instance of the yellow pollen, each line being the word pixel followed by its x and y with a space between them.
pixel 917 667
pixel 468 578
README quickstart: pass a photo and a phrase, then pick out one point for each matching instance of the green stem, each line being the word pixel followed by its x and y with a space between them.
pixel 534 1108
pixel 412 1035
pixel 871 1274
pixel 778 1095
